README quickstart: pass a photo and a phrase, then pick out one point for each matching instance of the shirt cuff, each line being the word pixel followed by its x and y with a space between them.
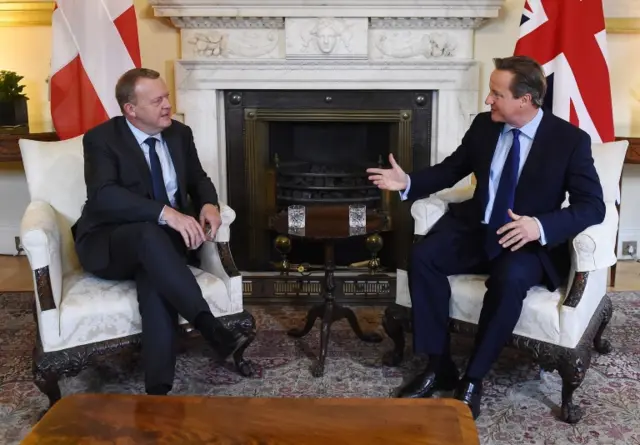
pixel 405 192
pixel 543 239
pixel 161 220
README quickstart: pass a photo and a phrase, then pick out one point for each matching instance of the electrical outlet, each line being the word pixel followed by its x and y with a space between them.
pixel 18 245
pixel 629 248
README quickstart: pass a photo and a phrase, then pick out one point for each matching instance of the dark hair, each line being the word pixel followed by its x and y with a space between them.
pixel 528 77
pixel 126 86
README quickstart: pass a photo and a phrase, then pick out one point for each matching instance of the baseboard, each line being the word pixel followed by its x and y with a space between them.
pixel 7 239
pixel 627 235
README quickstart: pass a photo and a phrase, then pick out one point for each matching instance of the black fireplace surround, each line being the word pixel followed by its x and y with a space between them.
pixel 312 148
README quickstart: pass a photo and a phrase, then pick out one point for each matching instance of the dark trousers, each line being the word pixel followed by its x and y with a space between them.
pixel 455 247
pixel 156 258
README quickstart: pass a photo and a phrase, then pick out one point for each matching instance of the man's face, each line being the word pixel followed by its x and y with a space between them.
pixel 152 108
pixel 504 107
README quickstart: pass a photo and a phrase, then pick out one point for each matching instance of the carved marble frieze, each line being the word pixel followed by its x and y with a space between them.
pixel 326 38
pixel 409 44
pixel 322 38
pixel 232 43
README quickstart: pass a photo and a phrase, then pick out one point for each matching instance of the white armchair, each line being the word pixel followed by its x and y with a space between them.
pixel 79 315
pixel 559 327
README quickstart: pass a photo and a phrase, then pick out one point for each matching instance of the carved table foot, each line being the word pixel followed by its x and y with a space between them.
pixel 314 313
pixel 341 312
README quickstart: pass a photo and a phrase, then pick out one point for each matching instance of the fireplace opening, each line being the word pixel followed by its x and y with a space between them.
pixel 320 163
pixel 313 148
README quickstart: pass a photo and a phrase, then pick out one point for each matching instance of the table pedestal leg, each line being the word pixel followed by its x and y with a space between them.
pixel 330 312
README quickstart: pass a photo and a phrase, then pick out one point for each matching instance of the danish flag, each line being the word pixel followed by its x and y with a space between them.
pixel 94 43
pixel 568 38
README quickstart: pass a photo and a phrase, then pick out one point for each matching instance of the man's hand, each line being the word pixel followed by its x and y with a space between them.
pixel 520 231
pixel 393 178
pixel 187 226
pixel 209 215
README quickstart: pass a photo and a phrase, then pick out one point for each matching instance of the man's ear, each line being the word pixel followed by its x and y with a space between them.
pixel 129 109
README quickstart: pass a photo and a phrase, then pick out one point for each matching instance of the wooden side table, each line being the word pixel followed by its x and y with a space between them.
pixel 9 148
pixel 330 224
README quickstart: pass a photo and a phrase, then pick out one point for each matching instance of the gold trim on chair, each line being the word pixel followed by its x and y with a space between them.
pixel 26 13
pixel 623 25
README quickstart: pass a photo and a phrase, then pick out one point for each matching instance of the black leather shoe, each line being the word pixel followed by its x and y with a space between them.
pixel 227 341
pixel 426 383
pixel 470 394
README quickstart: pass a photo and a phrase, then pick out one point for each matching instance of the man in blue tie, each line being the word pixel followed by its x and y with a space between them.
pixel 149 203
pixel 514 228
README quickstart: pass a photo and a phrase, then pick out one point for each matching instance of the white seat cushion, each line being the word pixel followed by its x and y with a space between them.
pixel 94 310
pixel 539 320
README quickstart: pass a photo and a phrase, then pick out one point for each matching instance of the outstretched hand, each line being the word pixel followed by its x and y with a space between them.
pixel 520 231
pixel 393 178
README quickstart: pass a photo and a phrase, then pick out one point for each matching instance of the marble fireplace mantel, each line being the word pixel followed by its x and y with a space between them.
pixel 324 45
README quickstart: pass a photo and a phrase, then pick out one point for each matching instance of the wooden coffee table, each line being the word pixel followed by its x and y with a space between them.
pixel 140 419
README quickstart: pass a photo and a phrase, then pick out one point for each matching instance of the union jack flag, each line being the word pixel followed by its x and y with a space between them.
pixel 568 38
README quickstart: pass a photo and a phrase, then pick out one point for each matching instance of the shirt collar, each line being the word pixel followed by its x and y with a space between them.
pixel 530 128
pixel 140 135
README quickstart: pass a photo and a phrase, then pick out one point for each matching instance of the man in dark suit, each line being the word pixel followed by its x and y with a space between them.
pixel 144 179
pixel 514 229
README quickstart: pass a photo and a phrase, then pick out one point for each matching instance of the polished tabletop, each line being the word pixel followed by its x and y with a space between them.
pixel 330 222
pixel 93 419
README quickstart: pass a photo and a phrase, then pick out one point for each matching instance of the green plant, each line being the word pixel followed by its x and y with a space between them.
pixel 10 88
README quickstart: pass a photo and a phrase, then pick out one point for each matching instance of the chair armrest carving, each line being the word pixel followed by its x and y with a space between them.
pixel 40 239
pixel 43 289
pixel 578 286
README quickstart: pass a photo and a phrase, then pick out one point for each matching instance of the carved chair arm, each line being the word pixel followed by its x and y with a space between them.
pixel 216 259
pixel 594 247
pixel 41 241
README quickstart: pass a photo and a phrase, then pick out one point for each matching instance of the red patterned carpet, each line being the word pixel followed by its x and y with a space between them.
pixel 518 407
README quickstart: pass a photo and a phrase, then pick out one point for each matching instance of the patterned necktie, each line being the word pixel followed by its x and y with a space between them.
pixel 159 189
pixel 504 199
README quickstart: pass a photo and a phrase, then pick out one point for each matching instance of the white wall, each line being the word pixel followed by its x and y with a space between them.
pixel 497 38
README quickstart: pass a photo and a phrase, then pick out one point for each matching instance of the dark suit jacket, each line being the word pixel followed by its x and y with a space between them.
pixel 119 188
pixel 560 161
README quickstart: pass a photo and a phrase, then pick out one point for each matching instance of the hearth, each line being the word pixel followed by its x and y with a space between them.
pixel 313 148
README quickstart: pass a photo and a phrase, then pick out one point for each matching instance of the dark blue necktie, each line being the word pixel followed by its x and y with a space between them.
pixel 505 197
pixel 159 189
